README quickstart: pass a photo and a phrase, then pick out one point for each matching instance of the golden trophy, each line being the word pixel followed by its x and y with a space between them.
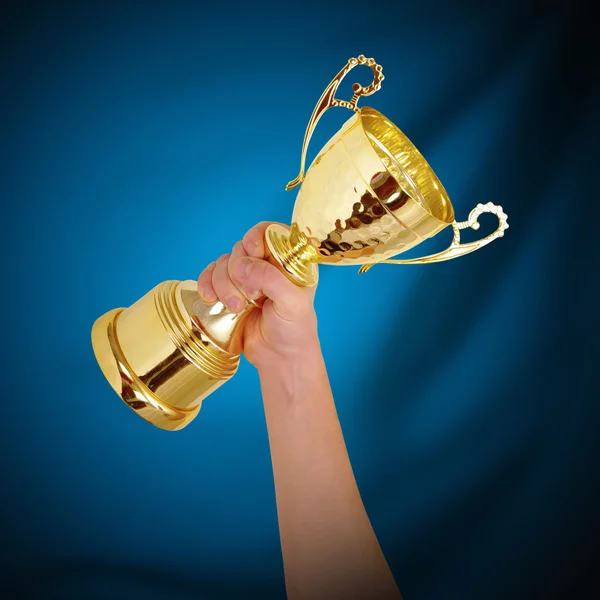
pixel 368 196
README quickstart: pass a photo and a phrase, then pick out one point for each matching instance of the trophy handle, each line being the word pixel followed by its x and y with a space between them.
pixel 327 100
pixel 457 249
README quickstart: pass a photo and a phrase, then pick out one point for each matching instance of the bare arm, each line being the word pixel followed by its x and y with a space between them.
pixel 330 551
pixel 329 547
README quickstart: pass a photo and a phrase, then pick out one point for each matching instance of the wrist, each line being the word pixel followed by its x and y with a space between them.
pixel 285 362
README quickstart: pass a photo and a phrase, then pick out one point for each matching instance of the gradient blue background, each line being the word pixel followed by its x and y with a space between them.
pixel 140 141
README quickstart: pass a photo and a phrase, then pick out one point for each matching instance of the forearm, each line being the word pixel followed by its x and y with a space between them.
pixel 329 548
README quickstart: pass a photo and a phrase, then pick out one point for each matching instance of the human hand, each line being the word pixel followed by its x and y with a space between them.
pixel 285 325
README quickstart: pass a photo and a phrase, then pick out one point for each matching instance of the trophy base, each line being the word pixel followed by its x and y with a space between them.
pixel 292 252
pixel 129 387
pixel 156 360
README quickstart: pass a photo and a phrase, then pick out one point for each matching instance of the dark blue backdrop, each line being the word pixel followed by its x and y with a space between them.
pixel 139 142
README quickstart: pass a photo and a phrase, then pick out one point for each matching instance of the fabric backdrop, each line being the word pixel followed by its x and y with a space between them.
pixel 140 141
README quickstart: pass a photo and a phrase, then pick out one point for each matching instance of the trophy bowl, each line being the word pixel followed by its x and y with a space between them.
pixel 368 196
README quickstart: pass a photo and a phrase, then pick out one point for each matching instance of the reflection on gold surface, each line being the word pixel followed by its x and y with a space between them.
pixel 384 197
pixel 159 360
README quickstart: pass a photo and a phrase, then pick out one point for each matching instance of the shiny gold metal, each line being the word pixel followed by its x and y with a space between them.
pixel 168 351
pixel 293 254
pixel 328 100
pixel 368 196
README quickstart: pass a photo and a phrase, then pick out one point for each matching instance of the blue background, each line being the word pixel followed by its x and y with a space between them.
pixel 140 141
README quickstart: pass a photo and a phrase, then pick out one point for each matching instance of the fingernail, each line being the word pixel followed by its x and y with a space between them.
pixel 242 267
pixel 252 294
pixel 232 302
pixel 206 294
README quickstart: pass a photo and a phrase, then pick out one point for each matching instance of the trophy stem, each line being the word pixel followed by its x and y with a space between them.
pixel 293 253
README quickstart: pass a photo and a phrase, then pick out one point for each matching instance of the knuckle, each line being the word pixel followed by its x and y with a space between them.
pixel 250 244
pixel 253 274
pixel 221 281
pixel 218 275
pixel 206 275
pixel 237 252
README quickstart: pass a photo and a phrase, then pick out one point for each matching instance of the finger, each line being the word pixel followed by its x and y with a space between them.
pixel 225 289
pixel 254 240
pixel 240 252
pixel 289 300
pixel 205 287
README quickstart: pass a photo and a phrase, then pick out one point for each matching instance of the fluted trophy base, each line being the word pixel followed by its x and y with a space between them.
pixel 158 356
pixel 167 352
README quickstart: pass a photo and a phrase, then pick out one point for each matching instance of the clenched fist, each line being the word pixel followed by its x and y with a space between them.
pixel 285 325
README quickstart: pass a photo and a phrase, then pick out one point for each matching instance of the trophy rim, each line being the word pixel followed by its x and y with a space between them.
pixel 408 163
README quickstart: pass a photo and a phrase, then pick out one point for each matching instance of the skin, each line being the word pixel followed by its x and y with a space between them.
pixel 329 548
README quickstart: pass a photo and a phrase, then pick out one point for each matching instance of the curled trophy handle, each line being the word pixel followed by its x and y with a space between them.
pixel 457 249
pixel 327 100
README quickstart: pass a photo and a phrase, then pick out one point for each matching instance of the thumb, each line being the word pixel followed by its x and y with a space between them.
pixel 260 278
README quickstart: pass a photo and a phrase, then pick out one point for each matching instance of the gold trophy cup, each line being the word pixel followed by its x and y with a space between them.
pixel 369 195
